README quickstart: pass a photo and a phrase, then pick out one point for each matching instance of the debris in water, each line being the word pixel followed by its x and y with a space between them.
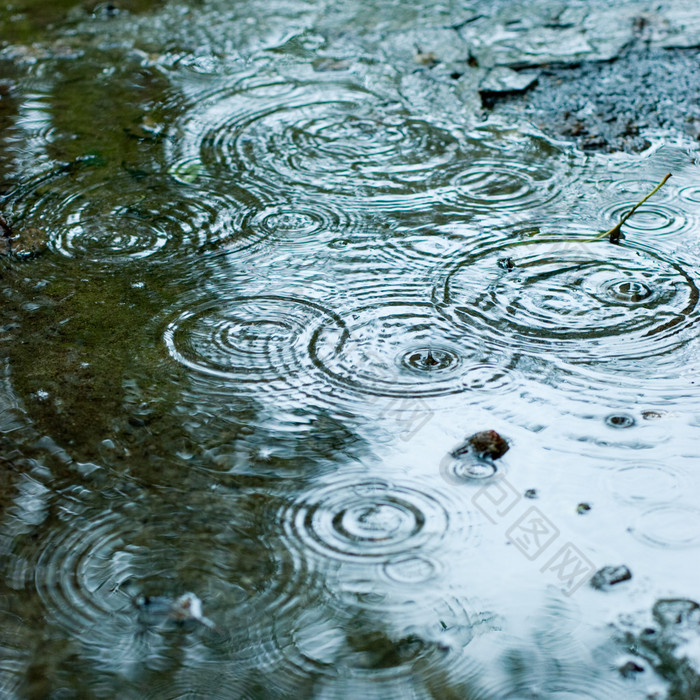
pixel 582 508
pixel 531 493
pixel 506 264
pixel 630 668
pixel 485 443
pixel 614 235
pixel 609 576
pixel 426 58
pixel 185 608
pixel 189 607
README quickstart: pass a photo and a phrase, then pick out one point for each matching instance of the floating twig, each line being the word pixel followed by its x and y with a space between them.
pixel 615 233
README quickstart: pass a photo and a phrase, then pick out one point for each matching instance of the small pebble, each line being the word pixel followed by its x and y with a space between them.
pixel 485 443
pixel 426 58
pixel 610 576
pixel 630 668
pixel 506 263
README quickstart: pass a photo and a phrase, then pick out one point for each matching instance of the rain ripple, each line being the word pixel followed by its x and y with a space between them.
pixel 506 170
pixel 365 520
pixel 400 349
pixel 421 641
pixel 85 220
pixel 249 341
pixel 645 482
pixel 331 138
pixel 691 194
pixel 653 218
pixel 674 526
pixel 574 300
pixel 305 222
pixel 75 573
pixel 89 572
pixel 147 219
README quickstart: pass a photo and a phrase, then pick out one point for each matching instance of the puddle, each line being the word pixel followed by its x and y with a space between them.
pixel 279 263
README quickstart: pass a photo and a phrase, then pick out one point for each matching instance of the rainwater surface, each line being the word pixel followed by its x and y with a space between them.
pixel 269 270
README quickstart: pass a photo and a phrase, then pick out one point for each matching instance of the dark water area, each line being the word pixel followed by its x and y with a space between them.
pixel 271 264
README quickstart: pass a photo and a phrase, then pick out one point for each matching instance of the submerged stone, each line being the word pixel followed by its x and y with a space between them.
pixel 630 668
pixel 185 608
pixel 609 576
pixel 26 242
pixel 506 264
pixel 676 611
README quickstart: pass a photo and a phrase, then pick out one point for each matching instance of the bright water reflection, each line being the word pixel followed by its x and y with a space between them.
pixel 278 272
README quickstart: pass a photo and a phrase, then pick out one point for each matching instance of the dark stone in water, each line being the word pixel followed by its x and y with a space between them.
pixel 5 229
pixel 582 508
pixel 531 493
pixel 506 264
pixel 630 668
pixel 609 576
pixel 485 443
pixel 676 611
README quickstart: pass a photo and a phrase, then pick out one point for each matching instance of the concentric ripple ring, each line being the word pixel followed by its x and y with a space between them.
pixel 398 349
pixel 332 138
pixel 248 340
pixel 364 521
pixel 574 300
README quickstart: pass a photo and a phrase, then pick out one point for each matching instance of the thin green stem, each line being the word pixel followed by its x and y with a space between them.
pixel 615 233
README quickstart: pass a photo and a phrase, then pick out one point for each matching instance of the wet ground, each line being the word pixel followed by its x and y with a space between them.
pixel 614 105
pixel 266 268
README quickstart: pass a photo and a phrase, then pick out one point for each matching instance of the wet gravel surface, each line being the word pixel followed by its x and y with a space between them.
pixel 608 106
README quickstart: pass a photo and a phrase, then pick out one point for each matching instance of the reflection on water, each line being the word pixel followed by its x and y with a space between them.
pixel 273 292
